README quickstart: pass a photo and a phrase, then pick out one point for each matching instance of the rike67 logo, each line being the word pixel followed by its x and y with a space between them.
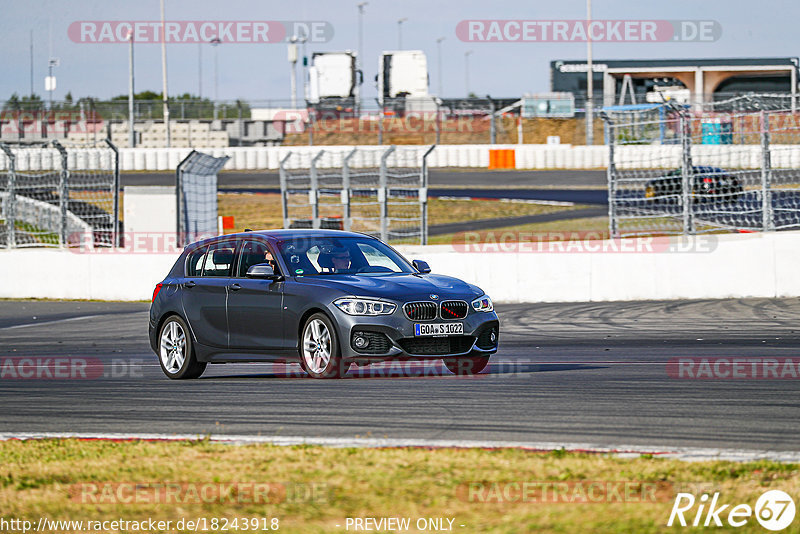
pixel 774 510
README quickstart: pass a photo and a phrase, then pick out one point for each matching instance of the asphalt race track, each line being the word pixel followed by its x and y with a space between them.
pixel 568 373
pixel 580 187
pixel 438 178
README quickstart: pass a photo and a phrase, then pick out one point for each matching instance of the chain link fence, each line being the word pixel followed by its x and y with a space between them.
pixel 196 194
pixel 728 165
pixel 74 201
pixel 381 191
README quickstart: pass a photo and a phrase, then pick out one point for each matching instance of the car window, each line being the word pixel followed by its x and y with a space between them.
pixel 375 258
pixel 340 255
pixel 219 259
pixel 194 262
pixel 252 253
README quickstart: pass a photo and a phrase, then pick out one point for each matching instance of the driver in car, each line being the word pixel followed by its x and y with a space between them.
pixel 340 258
pixel 269 259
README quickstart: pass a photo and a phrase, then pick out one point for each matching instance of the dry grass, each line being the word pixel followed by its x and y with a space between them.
pixel 466 130
pixel 314 489
pixel 263 211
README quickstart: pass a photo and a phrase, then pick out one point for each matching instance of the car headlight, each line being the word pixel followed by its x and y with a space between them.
pixel 483 304
pixel 352 306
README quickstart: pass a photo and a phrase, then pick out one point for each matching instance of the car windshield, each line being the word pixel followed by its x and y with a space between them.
pixel 340 255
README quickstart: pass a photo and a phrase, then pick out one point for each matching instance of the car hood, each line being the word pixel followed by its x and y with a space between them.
pixel 402 287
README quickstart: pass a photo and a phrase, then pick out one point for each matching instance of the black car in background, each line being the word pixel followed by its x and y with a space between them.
pixel 321 298
pixel 708 184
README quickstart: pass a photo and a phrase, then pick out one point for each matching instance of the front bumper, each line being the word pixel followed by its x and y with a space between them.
pixel 392 337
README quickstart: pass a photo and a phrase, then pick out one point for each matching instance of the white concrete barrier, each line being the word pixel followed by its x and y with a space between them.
pixel 724 266
pixel 461 156
pixel 713 266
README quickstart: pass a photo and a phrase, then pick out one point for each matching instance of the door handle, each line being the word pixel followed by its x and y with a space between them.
pixel 234 287
pixel 189 285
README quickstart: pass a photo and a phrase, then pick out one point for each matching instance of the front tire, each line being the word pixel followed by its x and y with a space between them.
pixel 175 351
pixel 320 356
pixel 466 365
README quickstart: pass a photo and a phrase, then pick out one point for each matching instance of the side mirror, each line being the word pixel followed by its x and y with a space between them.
pixel 421 266
pixel 263 271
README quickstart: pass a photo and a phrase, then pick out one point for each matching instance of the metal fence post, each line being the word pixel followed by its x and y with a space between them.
pixel 179 234
pixel 611 175
pixel 313 195
pixel 346 189
pixel 438 120
pixel 493 128
pixel 63 193
pixel 423 197
pixel 311 120
pixel 380 122
pixel 11 228
pixel 767 222
pixel 686 174
pixel 116 238
pixel 284 188
pixel 383 194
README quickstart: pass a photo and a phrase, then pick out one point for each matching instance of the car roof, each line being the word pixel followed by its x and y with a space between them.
pixel 296 233
pixel 279 235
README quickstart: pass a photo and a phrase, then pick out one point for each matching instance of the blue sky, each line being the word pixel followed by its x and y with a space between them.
pixel 261 71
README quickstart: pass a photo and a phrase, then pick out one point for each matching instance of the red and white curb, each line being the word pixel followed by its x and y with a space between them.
pixel 692 454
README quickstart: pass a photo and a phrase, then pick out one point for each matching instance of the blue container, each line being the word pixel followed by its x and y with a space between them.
pixel 717 132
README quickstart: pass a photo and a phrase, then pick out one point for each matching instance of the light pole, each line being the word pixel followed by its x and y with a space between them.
pixel 466 70
pixel 31 63
pixel 214 43
pixel 50 80
pixel 589 77
pixel 50 83
pixel 164 74
pixel 200 70
pixel 359 64
pixel 131 133
pixel 439 63
pixel 400 32
pixel 303 38
pixel 292 63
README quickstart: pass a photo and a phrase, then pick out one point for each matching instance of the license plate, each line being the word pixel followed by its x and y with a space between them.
pixel 438 329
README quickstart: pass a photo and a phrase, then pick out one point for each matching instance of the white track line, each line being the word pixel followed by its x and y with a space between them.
pixel 42 323
pixel 679 453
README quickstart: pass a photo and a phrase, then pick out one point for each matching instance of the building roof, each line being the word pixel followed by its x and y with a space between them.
pixel 689 62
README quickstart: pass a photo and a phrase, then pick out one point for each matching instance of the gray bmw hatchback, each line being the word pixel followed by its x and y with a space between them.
pixel 322 298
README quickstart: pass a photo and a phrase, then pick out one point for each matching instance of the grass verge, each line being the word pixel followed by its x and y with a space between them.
pixel 263 210
pixel 315 489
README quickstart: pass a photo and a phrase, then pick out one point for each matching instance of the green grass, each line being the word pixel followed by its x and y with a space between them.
pixel 314 489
